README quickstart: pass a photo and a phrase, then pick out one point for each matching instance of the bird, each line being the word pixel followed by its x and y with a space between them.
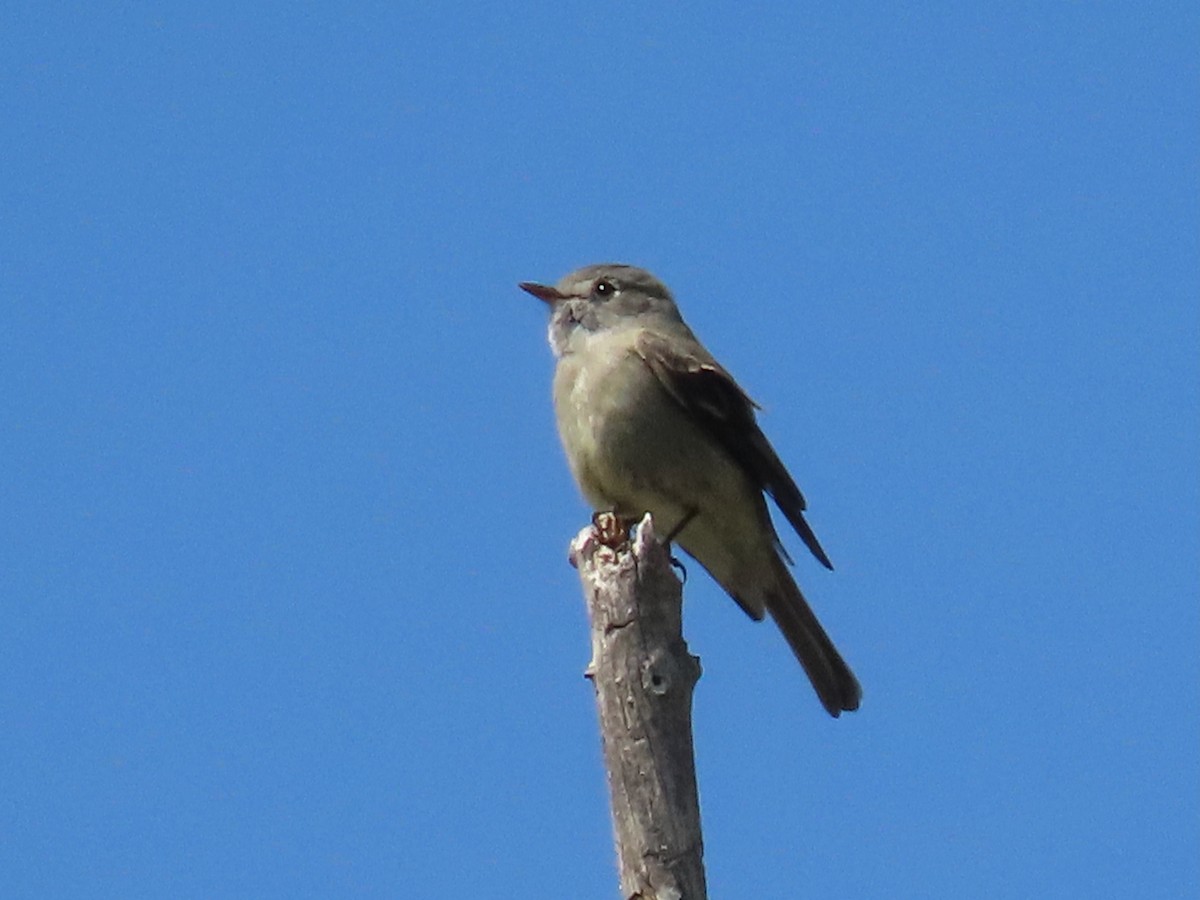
pixel 651 422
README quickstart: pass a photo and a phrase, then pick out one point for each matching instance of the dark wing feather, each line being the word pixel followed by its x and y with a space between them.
pixel 719 406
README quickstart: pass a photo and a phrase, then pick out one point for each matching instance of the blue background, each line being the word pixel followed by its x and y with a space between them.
pixel 286 607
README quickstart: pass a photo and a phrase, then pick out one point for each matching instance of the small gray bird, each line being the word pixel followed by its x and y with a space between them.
pixel 651 422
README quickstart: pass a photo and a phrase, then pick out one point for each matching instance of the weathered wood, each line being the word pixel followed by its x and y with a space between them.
pixel 644 677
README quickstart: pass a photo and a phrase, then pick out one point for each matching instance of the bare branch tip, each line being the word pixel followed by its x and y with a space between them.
pixel 646 537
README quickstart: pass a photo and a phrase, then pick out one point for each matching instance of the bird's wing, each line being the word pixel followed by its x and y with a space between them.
pixel 708 394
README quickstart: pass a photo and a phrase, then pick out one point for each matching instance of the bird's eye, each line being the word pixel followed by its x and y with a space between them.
pixel 604 288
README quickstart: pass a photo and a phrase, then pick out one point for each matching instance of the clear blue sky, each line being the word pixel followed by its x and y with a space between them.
pixel 286 607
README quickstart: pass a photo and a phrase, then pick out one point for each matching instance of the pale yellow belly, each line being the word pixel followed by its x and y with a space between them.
pixel 633 449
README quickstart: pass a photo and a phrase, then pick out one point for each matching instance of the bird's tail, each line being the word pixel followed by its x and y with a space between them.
pixel 832 679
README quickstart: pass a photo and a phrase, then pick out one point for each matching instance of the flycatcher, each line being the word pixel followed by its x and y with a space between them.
pixel 651 422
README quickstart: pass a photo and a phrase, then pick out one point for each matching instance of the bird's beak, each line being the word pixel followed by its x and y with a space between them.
pixel 543 292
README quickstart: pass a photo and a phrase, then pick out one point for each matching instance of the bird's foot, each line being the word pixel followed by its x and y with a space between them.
pixel 612 529
pixel 676 563
pixel 670 539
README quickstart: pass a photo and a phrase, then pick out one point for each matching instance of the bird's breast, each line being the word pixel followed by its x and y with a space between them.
pixel 630 445
pixel 600 397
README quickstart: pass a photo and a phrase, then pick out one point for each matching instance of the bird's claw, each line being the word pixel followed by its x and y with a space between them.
pixel 677 564
pixel 612 529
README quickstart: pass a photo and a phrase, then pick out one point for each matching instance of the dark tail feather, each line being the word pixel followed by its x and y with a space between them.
pixel 835 684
